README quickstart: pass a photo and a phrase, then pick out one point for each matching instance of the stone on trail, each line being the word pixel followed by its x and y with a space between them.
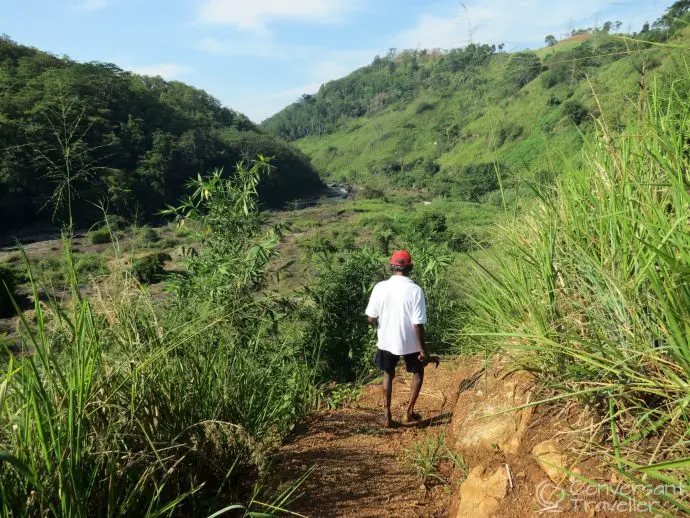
pixel 481 496
pixel 551 459
pixel 479 429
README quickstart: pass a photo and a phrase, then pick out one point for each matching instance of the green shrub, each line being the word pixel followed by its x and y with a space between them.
pixel 116 223
pixel 575 112
pixel 150 235
pixel 429 224
pixel 370 193
pixel 100 236
pixel 186 235
pixel 340 294
pixel 145 237
pixel 548 80
pixel 431 262
pixel 8 284
pixel 149 269
pixel 344 239
pixel 383 241
pixel 90 264
pixel 14 258
pixel 301 225
pixel 508 133
pixel 145 409
pixel 140 415
pixel 170 242
pixel 317 246
pixel 430 166
pixel 389 166
pixel 473 181
pixel 49 271
pixel 522 68
pixel 423 107
pixel 467 241
pixel 508 197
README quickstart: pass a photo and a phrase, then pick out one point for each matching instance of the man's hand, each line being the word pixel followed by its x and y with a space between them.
pixel 426 359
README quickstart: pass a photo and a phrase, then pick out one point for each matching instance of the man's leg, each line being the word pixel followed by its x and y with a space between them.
pixel 386 361
pixel 415 388
pixel 387 394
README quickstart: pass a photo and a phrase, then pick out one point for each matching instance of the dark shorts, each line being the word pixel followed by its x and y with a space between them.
pixel 386 361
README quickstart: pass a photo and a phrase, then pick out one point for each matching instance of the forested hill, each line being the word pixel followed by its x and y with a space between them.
pixel 447 121
pixel 116 138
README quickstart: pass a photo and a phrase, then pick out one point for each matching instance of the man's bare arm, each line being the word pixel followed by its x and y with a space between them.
pixel 373 322
pixel 421 344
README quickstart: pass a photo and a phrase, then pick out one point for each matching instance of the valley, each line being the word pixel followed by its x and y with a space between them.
pixel 182 291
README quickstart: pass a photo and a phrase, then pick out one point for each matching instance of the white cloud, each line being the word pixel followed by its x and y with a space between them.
pixel 90 5
pixel 254 15
pixel 340 64
pixel 507 21
pixel 262 46
pixel 165 70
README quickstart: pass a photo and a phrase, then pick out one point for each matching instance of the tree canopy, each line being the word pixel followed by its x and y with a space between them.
pixel 93 134
pixel 395 77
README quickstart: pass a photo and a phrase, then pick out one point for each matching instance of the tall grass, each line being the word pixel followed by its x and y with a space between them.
pixel 592 288
pixel 122 407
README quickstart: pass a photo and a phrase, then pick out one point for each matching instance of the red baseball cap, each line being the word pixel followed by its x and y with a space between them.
pixel 401 258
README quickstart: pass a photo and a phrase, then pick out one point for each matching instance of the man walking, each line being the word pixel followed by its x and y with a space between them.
pixel 397 310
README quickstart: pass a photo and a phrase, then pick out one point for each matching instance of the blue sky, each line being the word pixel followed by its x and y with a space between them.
pixel 258 56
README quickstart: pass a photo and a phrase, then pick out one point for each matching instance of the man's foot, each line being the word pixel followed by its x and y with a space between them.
pixel 411 417
pixel 387 420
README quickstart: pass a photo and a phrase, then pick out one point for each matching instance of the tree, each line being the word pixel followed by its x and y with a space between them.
pixel 670 20
pixel 607 27
pixel 550 40
pixel 522 68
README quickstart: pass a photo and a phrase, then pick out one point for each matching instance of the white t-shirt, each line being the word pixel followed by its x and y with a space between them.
pixel 399 304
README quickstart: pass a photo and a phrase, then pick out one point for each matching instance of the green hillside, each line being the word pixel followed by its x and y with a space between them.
pixel 93 132
pixel 448 121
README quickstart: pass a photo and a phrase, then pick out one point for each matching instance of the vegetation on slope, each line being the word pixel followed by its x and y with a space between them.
pixel 592 288
pixel 106 134
pixel 448 122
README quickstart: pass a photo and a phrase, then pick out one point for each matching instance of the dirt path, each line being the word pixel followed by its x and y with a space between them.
pixel 361 470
